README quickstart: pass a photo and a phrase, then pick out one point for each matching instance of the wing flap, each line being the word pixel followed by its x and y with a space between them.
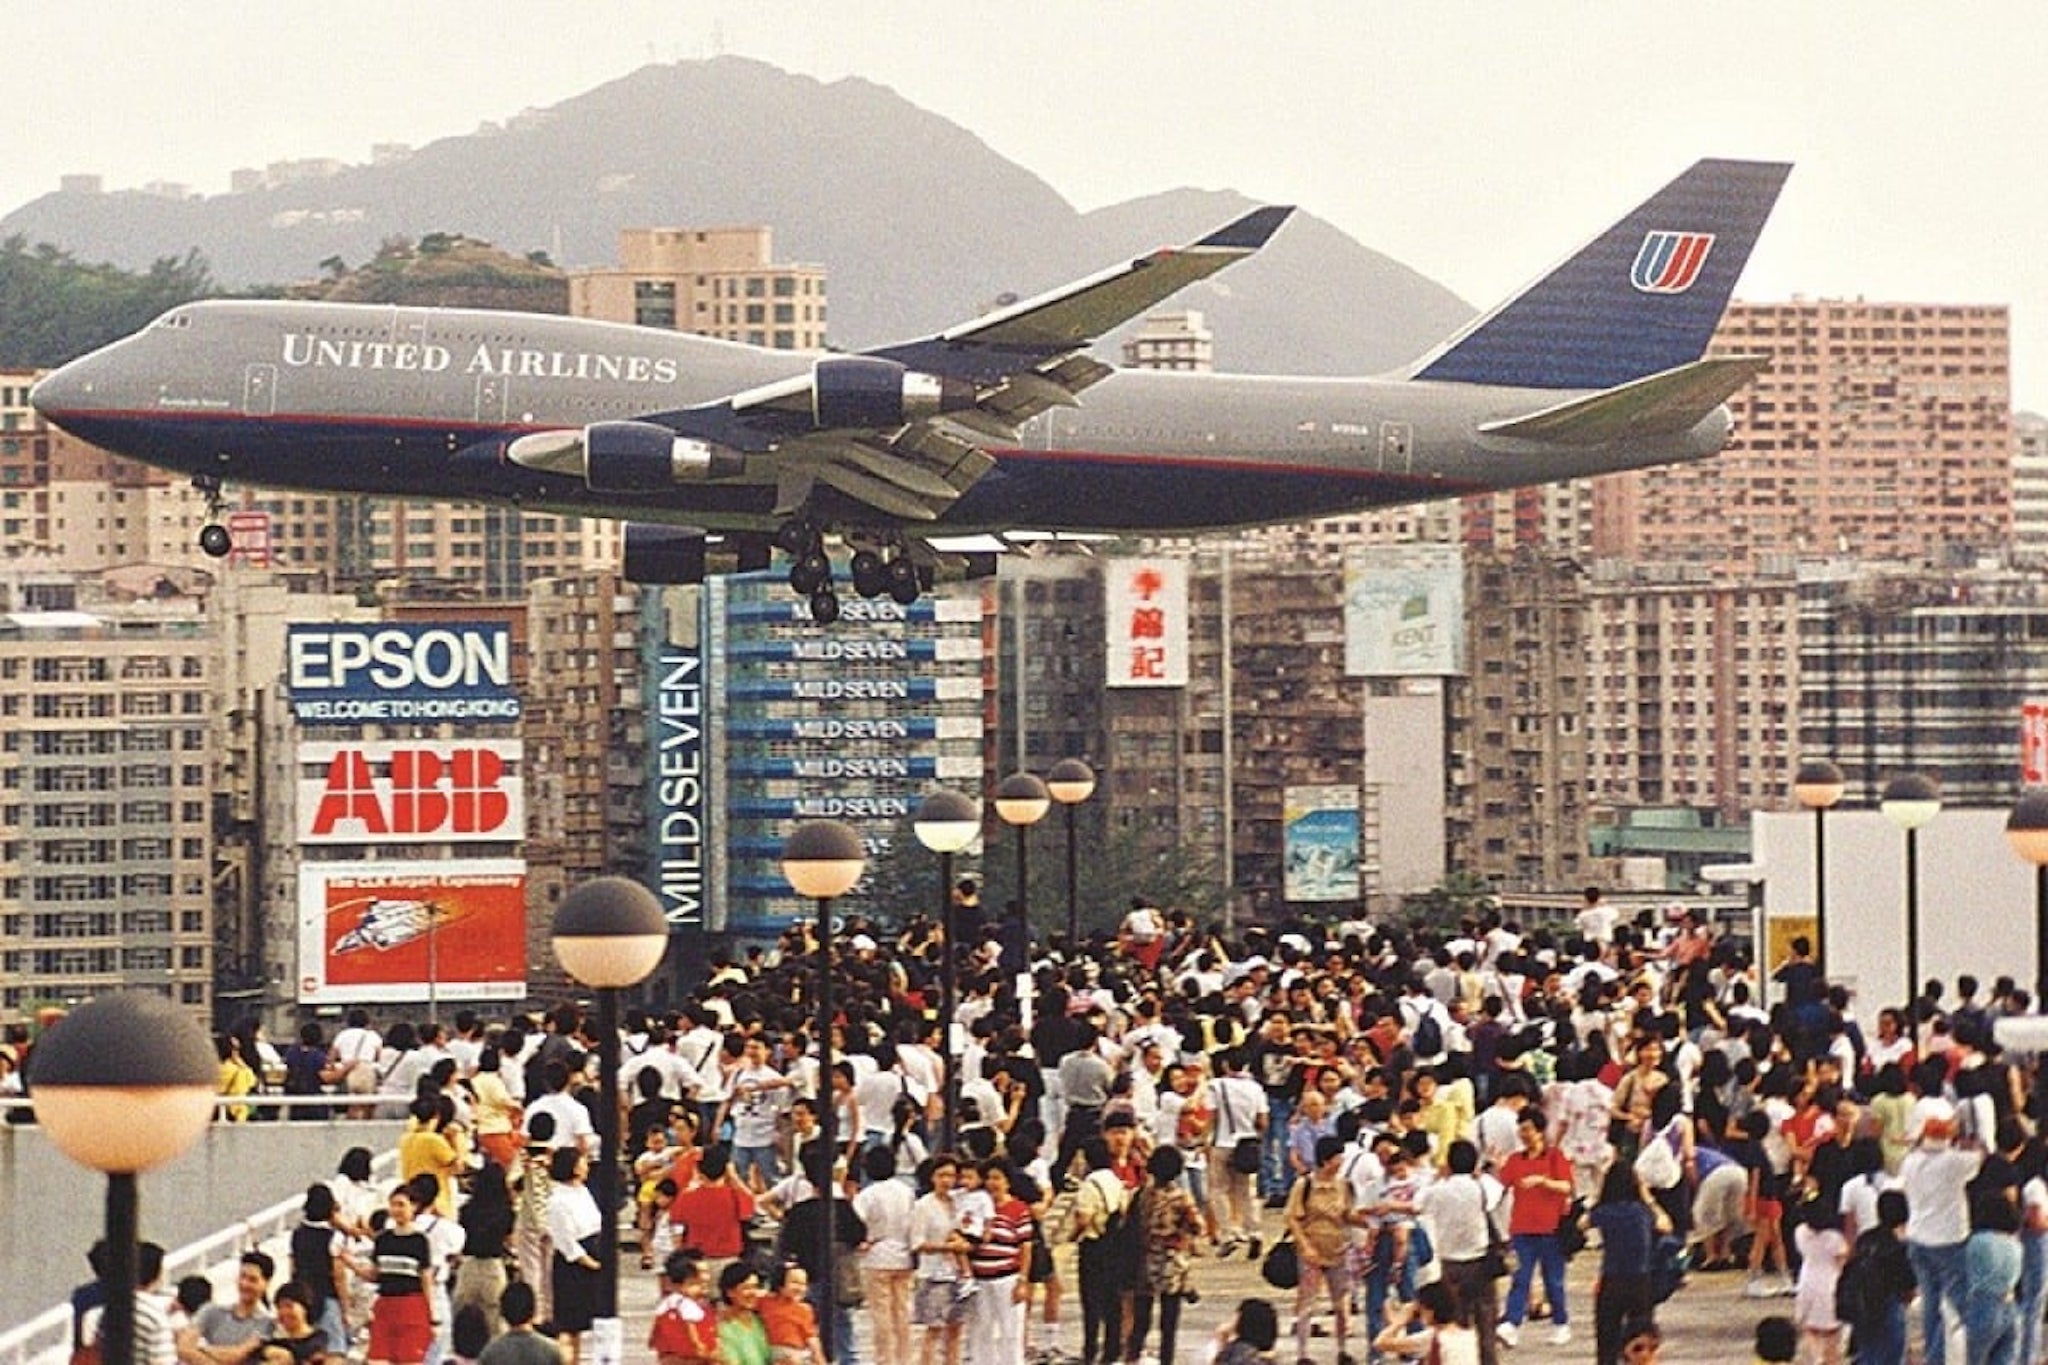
pixel 1660 405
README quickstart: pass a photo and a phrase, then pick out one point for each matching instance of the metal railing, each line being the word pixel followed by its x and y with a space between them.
pixel 45 1339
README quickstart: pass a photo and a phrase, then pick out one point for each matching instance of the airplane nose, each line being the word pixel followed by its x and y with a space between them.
pixel 57 392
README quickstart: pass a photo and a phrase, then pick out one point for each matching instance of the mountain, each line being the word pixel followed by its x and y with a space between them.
pixel 918 221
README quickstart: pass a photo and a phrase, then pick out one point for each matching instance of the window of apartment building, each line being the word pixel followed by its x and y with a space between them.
pixel 192 922
pixel 756 287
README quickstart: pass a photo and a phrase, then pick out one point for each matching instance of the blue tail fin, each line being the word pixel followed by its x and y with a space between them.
pixel 1644 297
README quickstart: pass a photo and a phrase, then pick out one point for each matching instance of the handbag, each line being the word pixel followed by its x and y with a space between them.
pixel 1244 1155
pixel 847 1289
pixel 1282 1266
pixel 1657 1165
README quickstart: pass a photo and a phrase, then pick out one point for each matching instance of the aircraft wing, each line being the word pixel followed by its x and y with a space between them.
pixel 900 428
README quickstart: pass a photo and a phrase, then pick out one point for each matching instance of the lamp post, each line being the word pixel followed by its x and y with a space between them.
pixel 1817 786
pixel 1070 782
pixel 823 859
pixel 946 823
pixel 1021 802
pixel 1910 801
pixel 2026 829
pixel 123 1084
pixel 608 933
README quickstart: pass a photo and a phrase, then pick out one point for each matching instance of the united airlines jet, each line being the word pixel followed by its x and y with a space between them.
pixel 936 452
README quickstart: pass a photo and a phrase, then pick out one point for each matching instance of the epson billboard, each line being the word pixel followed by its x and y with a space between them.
pixel 384 673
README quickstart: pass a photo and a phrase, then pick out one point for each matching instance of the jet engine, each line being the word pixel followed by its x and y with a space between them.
pixel 641 457
pixel 865 391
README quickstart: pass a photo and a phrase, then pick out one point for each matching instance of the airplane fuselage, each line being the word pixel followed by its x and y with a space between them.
pixel 422 403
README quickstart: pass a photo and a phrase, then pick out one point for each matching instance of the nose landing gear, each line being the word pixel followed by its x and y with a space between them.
pixel 214 540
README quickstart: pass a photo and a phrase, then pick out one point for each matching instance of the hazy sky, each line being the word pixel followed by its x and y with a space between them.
pixel 1475 142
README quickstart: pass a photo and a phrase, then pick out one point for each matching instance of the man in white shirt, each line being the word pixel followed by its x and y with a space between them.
pixel 1241 1114
pixel 1935 1175
pixel 355 1052
pixel 573 1127
pixel 1595 921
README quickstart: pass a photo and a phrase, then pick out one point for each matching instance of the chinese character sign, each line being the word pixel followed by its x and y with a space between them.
pixel 2034 743
pixel 1146 620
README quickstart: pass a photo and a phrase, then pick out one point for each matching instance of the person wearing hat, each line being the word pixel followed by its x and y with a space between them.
pixel 1936 1175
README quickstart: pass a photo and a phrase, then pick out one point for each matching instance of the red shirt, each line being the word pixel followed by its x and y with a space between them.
pixel 711 1218
pixel 790 1322
pixel 1000 1251
pixel 1537 1211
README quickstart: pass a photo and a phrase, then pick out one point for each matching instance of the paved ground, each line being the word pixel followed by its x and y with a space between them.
pixel 1708 1322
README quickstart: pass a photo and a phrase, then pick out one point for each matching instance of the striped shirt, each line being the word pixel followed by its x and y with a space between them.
pixel 1001 1249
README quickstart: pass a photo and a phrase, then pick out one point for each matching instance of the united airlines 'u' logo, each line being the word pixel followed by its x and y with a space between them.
pixel 1669 262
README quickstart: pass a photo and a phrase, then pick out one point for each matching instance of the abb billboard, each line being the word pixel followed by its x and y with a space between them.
pixel 374 933
pixel 410 792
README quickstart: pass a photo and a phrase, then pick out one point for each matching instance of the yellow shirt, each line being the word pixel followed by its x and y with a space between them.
pixel 426 1149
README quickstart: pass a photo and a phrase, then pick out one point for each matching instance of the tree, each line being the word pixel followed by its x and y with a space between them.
pixel 53 308
pixel 1442 906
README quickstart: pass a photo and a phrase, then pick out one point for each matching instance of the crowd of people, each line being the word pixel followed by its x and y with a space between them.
pixel 1396 1123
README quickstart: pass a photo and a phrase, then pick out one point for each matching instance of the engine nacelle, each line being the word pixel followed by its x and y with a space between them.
pixel 868 391
pixel 641 457
pixel 664 554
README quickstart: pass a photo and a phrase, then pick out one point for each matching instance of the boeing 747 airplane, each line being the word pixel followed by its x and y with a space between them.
pixel 935 452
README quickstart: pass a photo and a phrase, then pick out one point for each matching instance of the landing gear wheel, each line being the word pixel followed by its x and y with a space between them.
pixel 797 537
pixel 810 575
pixel 215 540
pixel 903 584
pixel 824 606
pixel 870 574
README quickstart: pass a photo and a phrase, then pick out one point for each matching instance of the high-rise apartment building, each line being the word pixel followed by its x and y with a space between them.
pixel 719 282
pixel 1900 672
pixel 1517 742
pixel 1881 431
pixel 106 804
pixel 2029 488
pixel 1692 688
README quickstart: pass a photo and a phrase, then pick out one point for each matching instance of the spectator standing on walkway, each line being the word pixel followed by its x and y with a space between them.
pixel 573 1226
pixel 487 1222
pixel 1540 1181
pixel 1461 1207
pixel 401 1322
pixel 1169 1224
pixel 1991 1274
pixel 319 1264
pixel 354 1059
pixel 1274 1065
pixel 1935 1176
pixel 884 1206
pixel 1629 1225
pixel 1240 1107
pixel 1321 1213
pixel 498 1115
pixel 519 1344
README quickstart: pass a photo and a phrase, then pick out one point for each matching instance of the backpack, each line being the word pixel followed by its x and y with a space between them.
pixel 1428 1039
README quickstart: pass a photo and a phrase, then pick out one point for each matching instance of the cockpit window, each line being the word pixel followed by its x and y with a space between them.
pixel 179 318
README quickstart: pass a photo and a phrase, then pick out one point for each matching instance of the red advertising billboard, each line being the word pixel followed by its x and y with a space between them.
pixel 385 933
pixel 410 792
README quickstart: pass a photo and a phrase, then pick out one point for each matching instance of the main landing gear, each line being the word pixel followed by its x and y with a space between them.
pixel 895 576
pixel 214 539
